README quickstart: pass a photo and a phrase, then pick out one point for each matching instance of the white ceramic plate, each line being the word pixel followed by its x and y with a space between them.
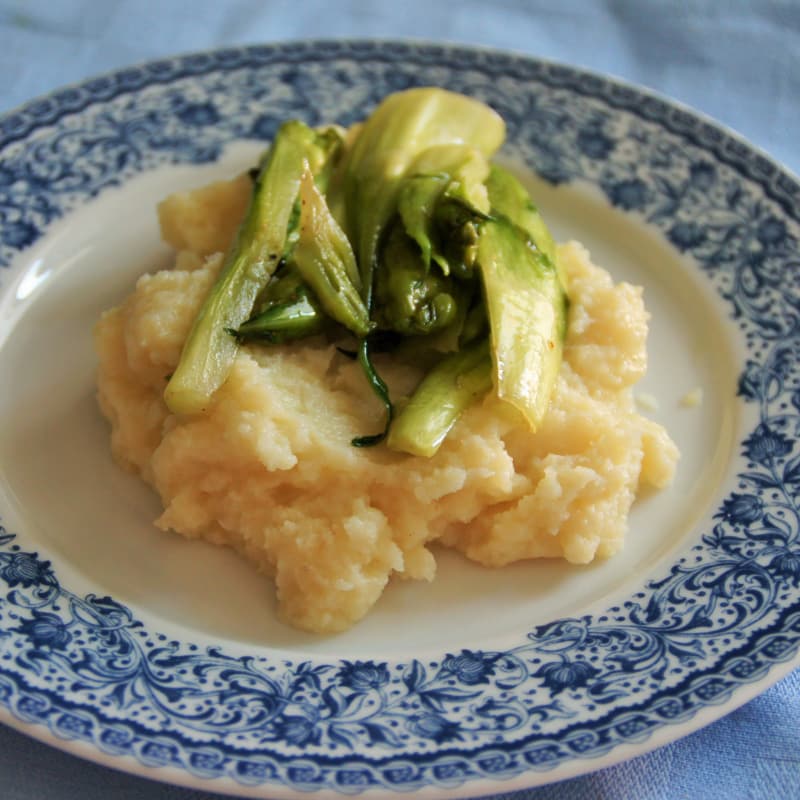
pixel 163 657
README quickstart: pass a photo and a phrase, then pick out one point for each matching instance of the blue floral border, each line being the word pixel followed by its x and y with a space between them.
pixel 726 613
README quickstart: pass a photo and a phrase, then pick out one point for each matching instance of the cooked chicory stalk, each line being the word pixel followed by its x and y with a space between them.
pixel 455 171
pixel 210 349
pixel 443 395
pixel 526 307
pixel 325 259
pixel 527 316
pixel 411 298
pixel 402 127
pixel 295 317
pixel 413 238
pixel 509 198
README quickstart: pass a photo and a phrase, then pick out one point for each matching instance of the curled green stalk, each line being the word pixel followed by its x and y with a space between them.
pixel 381 390
pixel 455 171
pixel 410 298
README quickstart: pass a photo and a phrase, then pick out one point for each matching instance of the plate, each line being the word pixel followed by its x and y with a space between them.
pixel 162 657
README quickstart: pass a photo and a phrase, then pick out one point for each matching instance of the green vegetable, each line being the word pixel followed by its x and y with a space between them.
pixel 283 287
pixel 510 198
pixel 417 199
pixel 458 229
pixel 526 306
pixel 380 388
pixel 325 259
pixel 453 171
pixel 210 349
pixel 292 312
pixel 402 127
pixel 410 298
pixel 475 324
pixel 444 393
pixel 402 234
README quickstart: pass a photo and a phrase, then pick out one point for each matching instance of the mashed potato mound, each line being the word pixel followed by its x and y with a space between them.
pixel 269 468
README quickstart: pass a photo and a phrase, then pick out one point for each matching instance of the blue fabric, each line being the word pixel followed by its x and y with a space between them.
pixel 738 62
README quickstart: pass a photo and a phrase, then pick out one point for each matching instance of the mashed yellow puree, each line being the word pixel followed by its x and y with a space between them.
pixel 270 471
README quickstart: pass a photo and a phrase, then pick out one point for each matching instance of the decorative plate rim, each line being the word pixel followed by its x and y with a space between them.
pixel 390 727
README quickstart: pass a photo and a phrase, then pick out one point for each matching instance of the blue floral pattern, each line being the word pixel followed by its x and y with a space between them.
pixel 724 615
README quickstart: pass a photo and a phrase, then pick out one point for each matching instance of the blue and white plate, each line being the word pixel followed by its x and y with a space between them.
pixel 160 656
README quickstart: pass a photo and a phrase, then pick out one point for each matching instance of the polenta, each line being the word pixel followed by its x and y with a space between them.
pixel 268 468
